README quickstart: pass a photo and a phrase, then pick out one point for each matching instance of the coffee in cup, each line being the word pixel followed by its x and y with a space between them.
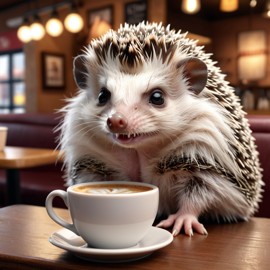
pixel 108 215
pixel 111 188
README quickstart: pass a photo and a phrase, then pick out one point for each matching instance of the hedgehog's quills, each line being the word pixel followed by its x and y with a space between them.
pixel 153 107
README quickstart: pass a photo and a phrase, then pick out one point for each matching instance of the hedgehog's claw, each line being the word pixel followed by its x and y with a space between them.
pixel 186 221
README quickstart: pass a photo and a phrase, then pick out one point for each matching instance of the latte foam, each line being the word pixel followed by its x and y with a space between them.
pixel 111 189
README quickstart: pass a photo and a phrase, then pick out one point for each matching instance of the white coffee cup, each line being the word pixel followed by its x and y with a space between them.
pixel 105 214
pixel 3 137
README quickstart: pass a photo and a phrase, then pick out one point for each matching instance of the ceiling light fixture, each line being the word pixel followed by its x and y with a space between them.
pixel 24 31
pixel 229 5
pixel 253 3
pixel 37 29
pixel 74 21
pixel 191 6
pixel 54 26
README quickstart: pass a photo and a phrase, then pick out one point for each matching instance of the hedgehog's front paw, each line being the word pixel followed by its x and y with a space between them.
pixel 186 221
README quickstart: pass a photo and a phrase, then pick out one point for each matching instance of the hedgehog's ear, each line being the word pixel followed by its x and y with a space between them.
pixel 195 71
pixel 80 71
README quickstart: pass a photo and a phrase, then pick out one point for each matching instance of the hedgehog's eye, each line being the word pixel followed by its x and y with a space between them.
pixel 157 97
pixel 104 96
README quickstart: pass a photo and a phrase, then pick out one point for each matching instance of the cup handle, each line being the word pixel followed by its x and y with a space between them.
pixel 49 207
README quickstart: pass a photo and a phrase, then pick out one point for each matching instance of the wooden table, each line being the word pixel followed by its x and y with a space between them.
pixel 24 233
pixel 14 158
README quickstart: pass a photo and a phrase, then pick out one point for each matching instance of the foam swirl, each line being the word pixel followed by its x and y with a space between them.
pixel 117 190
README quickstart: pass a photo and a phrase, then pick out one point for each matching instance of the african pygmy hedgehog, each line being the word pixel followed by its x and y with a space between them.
pixel 153 107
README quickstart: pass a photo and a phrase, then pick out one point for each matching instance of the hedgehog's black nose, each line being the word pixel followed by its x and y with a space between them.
pixel 117 123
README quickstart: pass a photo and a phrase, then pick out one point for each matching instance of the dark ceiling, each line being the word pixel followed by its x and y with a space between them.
pixel 209 8
pixel 6 5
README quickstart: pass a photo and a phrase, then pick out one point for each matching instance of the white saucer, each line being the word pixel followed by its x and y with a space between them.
pixel 156 238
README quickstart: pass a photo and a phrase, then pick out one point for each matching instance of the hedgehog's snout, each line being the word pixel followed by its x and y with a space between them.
pixel 117 123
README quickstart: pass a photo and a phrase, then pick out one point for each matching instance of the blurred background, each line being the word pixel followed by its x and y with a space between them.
pixel 39 39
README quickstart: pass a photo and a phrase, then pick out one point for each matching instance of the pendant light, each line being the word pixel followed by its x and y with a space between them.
pixel 54 26
pixel 229 5
pixel 191 6
pixel 24 31
pixel 74 21
pixel 37 29
pixel 253 3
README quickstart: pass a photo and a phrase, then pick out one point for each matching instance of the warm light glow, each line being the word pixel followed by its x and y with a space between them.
pixel 228 5
pixel 252 60
pixel 73 23
pixel 253 3
pixel 37 31
pixel 54 27
pixel 266 14
pixel 24 33
pixel 191 6
pixel 252 67
pixel 252 42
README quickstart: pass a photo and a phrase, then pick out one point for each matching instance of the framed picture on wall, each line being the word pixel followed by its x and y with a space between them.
pixel 104 13
pixel 53 70
pixel 136 12
pixel 99 21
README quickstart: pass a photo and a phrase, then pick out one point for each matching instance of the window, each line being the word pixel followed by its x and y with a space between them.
pixel 12 85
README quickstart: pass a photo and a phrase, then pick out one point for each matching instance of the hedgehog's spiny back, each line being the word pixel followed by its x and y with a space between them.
pixel 132 45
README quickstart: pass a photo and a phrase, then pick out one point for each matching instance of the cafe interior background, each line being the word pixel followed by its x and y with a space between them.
pixel 36 67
